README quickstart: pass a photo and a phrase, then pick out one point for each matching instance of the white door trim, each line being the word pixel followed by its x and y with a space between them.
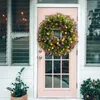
pixel 57 5
pixel 35 41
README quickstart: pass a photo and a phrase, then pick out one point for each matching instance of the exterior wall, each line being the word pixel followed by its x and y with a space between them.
pixel 8 73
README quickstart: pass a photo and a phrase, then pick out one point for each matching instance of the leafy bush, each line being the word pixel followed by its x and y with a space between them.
pixel 90 89
pixel 19 87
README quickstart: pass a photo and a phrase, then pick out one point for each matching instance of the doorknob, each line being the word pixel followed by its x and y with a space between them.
pixel 40 51
pixel 40 57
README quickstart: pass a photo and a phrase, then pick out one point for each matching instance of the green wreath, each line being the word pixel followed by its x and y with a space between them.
pixel 57 34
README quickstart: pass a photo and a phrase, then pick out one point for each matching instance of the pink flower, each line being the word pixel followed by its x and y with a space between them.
pixel 59 45
pixel 72 47
pixel 87 96
pixel 95 84
pixel 62 43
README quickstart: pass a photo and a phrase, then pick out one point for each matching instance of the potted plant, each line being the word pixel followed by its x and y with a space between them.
pixel 19 89
pixel 90 89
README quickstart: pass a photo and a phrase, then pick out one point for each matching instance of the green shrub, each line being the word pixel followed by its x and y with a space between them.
pixel 90 89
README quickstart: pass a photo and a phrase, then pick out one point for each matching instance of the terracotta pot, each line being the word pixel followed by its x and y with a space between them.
pixel 19 98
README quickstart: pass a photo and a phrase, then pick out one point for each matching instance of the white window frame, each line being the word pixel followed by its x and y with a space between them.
pixel 85 35
pixel 11 35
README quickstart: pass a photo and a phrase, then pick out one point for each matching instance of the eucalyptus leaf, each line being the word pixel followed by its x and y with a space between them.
pixel 10 89
pixel 22 69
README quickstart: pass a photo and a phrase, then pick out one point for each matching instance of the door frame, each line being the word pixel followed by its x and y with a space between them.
pixel 35 71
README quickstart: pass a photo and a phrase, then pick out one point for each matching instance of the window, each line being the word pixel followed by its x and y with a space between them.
pixel 3 30
pixel 20 32
pixel 56 69
pixel 20 15
pixel 19 41
pixel 59 1
pixel 93 32
pixel 20 50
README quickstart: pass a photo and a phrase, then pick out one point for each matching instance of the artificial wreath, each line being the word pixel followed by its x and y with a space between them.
pixel 65 27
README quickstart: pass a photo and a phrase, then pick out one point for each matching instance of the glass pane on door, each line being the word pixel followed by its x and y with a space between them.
pixel 57 79
pixel 56 71
pixel 48 82
pixel 65 81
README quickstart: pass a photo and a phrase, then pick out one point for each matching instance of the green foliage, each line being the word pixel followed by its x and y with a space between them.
pixel 90 89
pixel 19 87
pixel 57 34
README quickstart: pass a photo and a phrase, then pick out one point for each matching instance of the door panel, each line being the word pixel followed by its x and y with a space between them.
pixel 56 75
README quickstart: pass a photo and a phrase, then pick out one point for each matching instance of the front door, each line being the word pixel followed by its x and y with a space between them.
pixel 56 75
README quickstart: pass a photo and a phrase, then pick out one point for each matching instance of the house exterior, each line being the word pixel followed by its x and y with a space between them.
pixel 48 77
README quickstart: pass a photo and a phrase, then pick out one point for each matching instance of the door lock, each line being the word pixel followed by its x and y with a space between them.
pixel 40 57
